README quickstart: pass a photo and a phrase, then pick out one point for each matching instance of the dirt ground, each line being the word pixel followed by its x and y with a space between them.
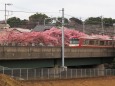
pixel 98 81
pixel 101 81
pixel 9 81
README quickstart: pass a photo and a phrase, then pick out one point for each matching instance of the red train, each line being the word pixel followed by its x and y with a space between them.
pixel 91 42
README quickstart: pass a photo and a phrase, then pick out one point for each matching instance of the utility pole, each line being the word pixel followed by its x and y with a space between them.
pixel 113 38
pixel 113 28
pixel 102 24
pixel 5 14
pixel 6 11
pixel 83 26
pixel 63 37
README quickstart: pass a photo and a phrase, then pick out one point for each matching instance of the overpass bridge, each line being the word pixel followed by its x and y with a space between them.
pixel 34 56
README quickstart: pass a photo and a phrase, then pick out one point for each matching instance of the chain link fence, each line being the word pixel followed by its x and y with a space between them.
pixel 54 73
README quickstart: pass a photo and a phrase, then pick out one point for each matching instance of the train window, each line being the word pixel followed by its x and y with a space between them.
pixel 107 43
pixel 91 42
pixel 96 42
pixel 110 42
pixel 74 41
pixel 86 42
pixel 101 42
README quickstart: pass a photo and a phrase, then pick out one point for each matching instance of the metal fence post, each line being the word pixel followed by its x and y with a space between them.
pixel 60 73
pixel 110 71
pixel 106 72
pixel 20 73
pixel 3 70
pixel 54 72
pixel 113 72
pixel 12 72
pixel 85 73
pixel 97 72
pixel 42 73
pixel 76 73
pixel 81 72
pixel 90 72
pixel 66 74
pixel 71 73
pixel 34 73
pixel 27 73
pixel 48 73
pixel 94 72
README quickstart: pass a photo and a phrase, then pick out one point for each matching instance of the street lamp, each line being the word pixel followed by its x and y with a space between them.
pixel 5 11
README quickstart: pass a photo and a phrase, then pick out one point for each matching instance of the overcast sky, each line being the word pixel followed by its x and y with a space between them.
pixel 72 8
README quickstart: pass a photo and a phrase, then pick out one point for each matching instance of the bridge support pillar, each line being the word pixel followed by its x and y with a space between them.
pixel 101 69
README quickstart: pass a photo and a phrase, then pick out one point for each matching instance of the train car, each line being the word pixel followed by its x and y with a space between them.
pixel 91 42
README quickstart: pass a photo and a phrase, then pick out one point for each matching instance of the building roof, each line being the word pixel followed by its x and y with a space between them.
pixel 21 29
pixel 42 28
pixel 2 26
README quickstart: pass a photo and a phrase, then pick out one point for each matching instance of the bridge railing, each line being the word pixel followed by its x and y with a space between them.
pixel 54 73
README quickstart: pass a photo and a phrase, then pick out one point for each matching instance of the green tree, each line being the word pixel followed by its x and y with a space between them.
pixel 108 21
pixel 75 22
pixel 14 22
pixel 37 18
pixel 24 22
pixel 99 20
pixel 93 20
pixel 113 20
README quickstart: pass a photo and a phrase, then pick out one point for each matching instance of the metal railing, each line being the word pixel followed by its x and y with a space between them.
pixel 54 73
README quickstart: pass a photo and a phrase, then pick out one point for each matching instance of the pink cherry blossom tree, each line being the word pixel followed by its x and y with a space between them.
pixel 50 37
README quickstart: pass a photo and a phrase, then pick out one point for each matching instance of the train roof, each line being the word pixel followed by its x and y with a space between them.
pixel 92 37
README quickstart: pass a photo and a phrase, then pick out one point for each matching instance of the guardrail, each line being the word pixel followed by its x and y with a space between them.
pixel 54 73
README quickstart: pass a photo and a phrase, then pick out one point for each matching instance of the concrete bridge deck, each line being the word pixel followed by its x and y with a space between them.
pixel 10 53
pixel 35 57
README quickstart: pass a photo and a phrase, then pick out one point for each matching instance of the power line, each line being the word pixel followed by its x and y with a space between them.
pixel 35 12
pixel 68 15
pixel 28 11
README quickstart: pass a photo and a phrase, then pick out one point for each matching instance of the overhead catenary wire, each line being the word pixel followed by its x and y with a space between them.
pixel 28 11
pixel 35 12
